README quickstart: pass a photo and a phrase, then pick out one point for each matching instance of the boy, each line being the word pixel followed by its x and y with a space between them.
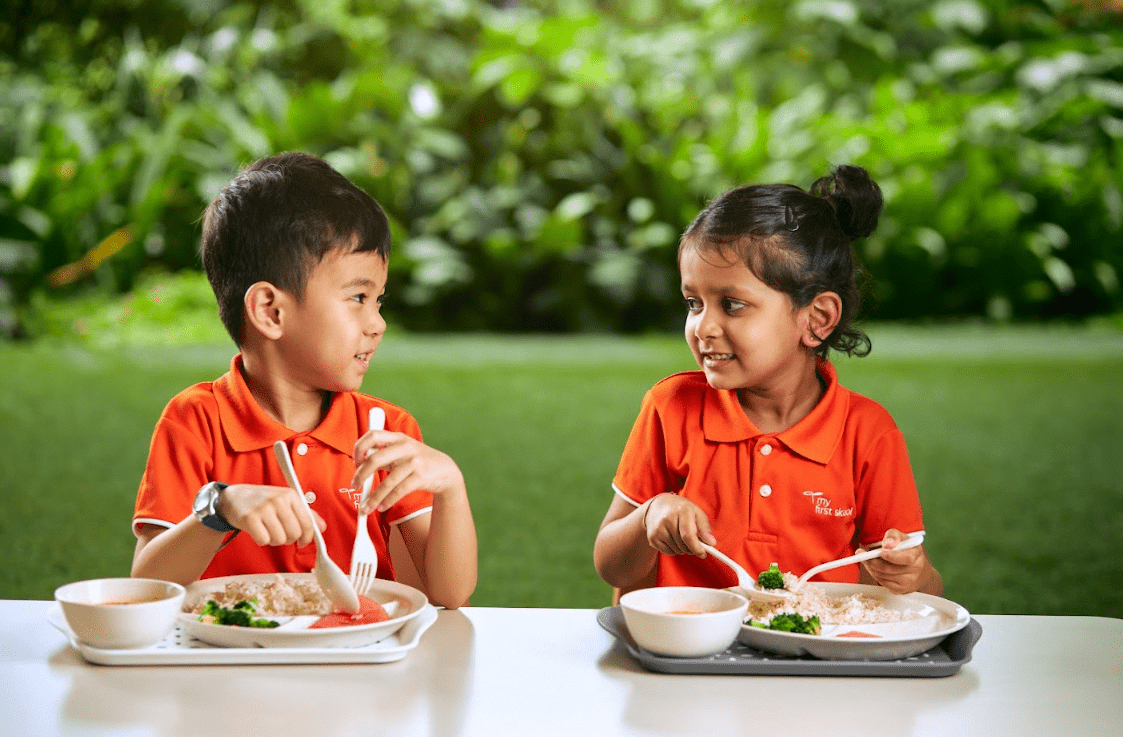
pixel 297 257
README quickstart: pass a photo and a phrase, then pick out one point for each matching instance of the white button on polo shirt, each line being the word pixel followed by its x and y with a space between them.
pixel 309 496
pixel 302 449
pixel 766 490
pixel 765 449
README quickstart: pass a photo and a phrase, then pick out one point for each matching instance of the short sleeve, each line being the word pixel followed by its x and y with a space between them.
pixel 643 471
pixel 180 461
pixel 886 490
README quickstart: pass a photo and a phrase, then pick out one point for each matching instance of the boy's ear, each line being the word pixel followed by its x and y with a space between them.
pixel 264 305
pixel 822 317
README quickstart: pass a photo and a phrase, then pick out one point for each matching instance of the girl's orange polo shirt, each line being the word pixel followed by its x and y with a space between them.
pixel 838 478
pixel 216 431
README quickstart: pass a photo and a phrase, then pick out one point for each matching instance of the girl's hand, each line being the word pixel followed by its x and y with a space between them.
pixel 413 466
pixel 271 515
pixel 677 526
pixel 900 572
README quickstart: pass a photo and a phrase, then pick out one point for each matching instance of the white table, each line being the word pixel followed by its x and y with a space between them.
pixel 491 672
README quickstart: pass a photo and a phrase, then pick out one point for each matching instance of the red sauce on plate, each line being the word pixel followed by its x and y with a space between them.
pixel 370 612
pixel 856 633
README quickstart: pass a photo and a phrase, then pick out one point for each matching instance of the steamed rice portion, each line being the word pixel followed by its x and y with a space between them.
pixel 276 598
pixel 850 609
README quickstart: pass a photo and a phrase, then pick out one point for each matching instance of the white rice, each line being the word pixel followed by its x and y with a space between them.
pixel 810 601
pixel 279 597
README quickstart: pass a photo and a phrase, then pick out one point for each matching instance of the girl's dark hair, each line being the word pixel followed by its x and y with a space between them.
pixel 798 242
pixel 276 221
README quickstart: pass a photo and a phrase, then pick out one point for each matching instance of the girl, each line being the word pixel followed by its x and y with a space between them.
pixel 762 454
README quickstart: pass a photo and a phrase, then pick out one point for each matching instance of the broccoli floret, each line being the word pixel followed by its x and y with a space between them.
pixel 771 579
pixel 239 615
pixel 795 623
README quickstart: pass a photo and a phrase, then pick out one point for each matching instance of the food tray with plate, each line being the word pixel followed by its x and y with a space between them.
pixel 944 659
pixel 400 602
pixel 179 648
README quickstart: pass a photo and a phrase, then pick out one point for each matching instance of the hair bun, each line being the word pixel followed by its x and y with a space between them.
pixel 855 198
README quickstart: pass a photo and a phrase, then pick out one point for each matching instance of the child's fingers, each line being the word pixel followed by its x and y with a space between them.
pixel 256 529
pixel 690 534
pixel 380 457
pixel 281 528
pixel 372 440
pixel 393 487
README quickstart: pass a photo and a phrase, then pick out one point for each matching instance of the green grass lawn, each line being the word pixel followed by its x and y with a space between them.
pixel 1014 435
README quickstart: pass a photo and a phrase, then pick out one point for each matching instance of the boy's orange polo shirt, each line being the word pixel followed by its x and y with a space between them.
pixel 216 431
pixel 838 478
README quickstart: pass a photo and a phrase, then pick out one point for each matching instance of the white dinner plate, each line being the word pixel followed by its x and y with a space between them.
pixel 892 640
pixel 401 602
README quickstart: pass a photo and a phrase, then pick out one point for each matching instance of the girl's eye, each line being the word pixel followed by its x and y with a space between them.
pixel 692 304
pixel 731 305
pixel 360 298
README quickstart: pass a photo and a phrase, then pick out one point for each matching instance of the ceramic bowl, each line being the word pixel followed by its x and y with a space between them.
pixel 683 621
pixel 120 613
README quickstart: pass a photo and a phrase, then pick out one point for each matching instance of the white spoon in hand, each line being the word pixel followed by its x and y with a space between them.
pixel 746 586
pixel 331 578
pixel 873 551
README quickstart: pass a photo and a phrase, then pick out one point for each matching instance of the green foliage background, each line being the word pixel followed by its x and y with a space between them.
pixel 539 159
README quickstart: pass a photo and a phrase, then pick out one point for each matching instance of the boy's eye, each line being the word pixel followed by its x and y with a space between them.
pixel 360 298
pixel 692 304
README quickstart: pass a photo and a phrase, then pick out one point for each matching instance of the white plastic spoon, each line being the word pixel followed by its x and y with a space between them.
pixel 873 551
pixel 746 585
pixel 331 578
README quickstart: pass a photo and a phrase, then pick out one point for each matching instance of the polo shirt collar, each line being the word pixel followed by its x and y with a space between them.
pixel 815 437
pixel 247 427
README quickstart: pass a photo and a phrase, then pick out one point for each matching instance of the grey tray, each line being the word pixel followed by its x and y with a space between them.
pixel 942 660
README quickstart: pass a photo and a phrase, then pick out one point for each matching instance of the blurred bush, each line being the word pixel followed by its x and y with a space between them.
pixel 538 160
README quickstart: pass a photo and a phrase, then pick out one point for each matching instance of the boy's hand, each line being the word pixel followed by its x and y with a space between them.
pixel 413 466
pixel 900 572
pixel 271 515
pixel 677 526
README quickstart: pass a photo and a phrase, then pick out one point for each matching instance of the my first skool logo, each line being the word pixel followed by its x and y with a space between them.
pixel 823 506
pixel 354 494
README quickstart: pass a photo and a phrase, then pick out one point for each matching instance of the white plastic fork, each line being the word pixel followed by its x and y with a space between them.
pixel 364 558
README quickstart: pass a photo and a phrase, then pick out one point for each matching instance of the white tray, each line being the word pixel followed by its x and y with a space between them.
pixel 178 648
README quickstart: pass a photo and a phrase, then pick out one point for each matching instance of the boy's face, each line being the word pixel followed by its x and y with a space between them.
pixel 331 333
pixel 743 333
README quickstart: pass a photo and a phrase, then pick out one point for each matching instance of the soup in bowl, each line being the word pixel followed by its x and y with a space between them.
pixel 683 621
pixel 120 613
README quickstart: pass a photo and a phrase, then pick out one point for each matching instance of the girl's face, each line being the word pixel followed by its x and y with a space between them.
pixel 744 334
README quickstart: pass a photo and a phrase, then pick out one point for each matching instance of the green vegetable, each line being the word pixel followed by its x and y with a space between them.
pixel 792 623
pixel 239 615
pixel 771 579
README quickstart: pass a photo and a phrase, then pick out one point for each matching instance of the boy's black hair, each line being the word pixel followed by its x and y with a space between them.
pixel 275 221
pixel 798 242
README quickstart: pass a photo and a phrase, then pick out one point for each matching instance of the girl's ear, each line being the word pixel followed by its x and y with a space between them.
pixel 822 317
pixel 264 306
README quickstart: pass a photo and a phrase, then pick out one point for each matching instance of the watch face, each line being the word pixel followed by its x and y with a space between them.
pixel 205 502
pixel 205 499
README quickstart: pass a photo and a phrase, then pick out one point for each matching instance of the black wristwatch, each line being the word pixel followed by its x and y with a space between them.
pixel 206 503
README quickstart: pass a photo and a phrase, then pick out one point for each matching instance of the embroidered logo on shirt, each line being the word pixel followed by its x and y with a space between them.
pixel 823 505
pixel 354 494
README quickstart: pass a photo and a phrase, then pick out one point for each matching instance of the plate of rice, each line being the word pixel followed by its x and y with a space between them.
pixel 858 622
pixel 303 614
